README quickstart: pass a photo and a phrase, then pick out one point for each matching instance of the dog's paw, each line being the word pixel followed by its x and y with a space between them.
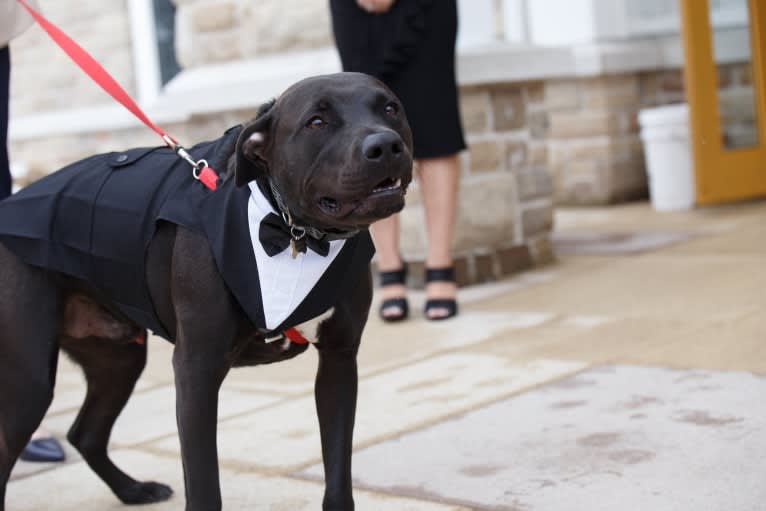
pixel 144 493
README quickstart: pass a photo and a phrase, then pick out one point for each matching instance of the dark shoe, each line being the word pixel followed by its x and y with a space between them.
pixel 449 304
pixel 389 278
pixel 43 449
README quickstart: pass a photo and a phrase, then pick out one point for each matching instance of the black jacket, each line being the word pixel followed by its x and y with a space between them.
pixel 94 219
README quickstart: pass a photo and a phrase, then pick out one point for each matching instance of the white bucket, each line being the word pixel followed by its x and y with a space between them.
pixel 665 133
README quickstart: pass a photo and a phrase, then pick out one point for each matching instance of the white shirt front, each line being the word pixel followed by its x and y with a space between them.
pixel 285 282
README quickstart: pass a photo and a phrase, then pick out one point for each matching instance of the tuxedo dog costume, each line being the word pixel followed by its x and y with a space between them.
pixel 96 253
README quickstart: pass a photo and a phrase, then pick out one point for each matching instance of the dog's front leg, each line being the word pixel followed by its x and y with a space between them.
pixel 198 379
pixel 206 327
pixel 335 392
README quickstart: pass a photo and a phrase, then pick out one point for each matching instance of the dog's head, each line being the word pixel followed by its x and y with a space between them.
pixel 337 148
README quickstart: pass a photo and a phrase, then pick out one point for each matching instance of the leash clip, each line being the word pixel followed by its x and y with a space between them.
pixel 197 166
pixel 184 154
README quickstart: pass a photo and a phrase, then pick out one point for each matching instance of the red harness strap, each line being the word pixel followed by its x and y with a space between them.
pixel 295 336
pixel 92 68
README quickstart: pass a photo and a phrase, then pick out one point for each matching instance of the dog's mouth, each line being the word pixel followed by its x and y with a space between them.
pixel 382 192
pixel 387 186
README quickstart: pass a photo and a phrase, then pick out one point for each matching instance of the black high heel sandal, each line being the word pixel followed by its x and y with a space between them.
pixel 389 278
pixel 449 304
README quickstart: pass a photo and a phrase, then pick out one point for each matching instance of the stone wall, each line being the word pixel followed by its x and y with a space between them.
pixel 43 77
pixel 211 31
pixel 505 210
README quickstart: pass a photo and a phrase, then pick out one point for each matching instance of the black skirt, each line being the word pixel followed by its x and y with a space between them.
pixel 411 48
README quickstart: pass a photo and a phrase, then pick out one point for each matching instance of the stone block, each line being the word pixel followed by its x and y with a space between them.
pixel 515 154
pixel 628 181
pixel 592 123
pixel 462 271
pixel 484 267
pixel 563 95
pixel 541 249
pixel 416 273
pixel 219 47
pixel 534 94
pixel 285 25
pixel 538 124
pixel 537 153
pixel 612 92
pixel 534 183
pixel 509 109
pixel 514 259
pixel 537 219
pixel 595 148
pixel 672 81
pixel 486 155
pixel 581 183
pixel 583 124
pixel 597 170
pixel 413 237
pixel 475 110
pixel 649 89
pixel 213 15
pixel 487 212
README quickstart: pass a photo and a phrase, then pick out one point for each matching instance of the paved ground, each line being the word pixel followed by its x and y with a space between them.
pixel 628 376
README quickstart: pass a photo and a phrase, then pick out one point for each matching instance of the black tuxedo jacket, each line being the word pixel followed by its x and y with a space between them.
pixel 94 220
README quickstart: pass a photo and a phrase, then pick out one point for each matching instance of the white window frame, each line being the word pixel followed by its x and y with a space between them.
pixel 146 60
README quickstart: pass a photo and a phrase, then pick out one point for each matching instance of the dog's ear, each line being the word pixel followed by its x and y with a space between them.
pixel 251 146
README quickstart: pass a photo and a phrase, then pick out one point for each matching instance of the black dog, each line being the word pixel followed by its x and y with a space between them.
pixel 96 253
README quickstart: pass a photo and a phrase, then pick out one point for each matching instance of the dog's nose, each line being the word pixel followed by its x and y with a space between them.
pixel 382 146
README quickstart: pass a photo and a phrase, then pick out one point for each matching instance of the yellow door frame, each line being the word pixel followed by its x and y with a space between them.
pixel 722 175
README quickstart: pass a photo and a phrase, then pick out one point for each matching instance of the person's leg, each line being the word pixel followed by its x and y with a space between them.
pixel 5 77
pixel 439 179
pixel 385 234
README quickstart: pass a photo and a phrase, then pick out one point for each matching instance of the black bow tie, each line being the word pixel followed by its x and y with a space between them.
pixel 275 236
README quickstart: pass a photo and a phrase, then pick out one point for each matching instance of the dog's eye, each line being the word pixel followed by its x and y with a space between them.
pixel 316 122
pixel 392 108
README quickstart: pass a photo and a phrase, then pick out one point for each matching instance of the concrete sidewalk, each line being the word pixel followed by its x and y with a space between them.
pixel 628 376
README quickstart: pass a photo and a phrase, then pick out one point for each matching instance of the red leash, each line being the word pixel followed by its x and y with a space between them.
pixel 87 63
pixel 201 171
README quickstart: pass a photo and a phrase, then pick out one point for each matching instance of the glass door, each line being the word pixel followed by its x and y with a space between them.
pixel 725 41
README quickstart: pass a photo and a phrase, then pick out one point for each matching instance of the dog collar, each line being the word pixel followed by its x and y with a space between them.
pixel 299 231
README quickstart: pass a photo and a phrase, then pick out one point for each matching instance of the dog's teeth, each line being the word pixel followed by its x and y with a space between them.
pixel 396 184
